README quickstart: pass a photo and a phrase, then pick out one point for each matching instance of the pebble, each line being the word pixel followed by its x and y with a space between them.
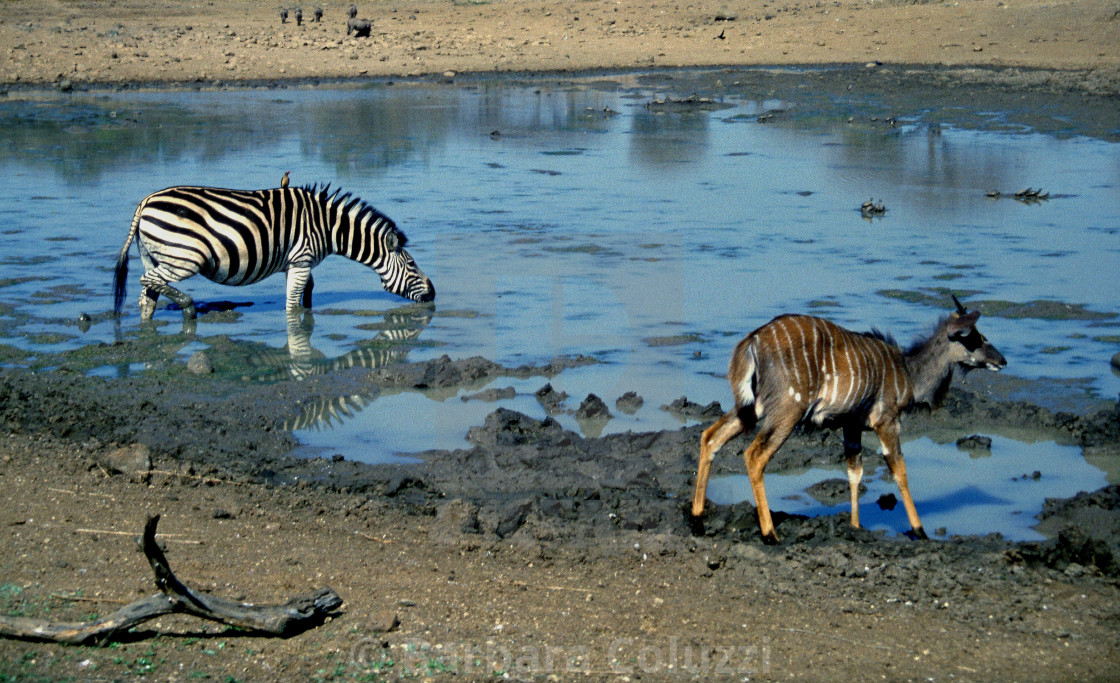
pixel 135 459
pixel 384 621
pixel 199 363
pixel 975 442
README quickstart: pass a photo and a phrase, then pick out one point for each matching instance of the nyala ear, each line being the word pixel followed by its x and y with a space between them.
pixel 962 323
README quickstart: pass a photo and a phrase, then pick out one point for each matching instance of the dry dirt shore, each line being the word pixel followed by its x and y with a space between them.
pixel 45 42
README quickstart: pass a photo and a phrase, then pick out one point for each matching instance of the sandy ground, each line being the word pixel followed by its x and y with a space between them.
pixel 498 561
pixel 129 41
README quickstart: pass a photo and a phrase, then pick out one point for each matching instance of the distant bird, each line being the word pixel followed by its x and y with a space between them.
pixel 871 208
pixel 284 180
pixel 721 35
pixel 299 16
pixel 318 13
pixel 352 12
pixel 283 16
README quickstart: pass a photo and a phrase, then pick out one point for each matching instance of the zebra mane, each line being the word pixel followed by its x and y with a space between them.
pixel 349 201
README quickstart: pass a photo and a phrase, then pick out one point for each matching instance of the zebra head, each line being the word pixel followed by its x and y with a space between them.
pixel 366 235
pixel 399 273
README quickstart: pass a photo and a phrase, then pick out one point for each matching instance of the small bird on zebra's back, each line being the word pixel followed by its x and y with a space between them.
pixel 284 180
pixel 238 237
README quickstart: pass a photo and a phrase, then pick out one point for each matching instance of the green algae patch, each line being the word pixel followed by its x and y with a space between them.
pixel 1038 309
pixel 673 340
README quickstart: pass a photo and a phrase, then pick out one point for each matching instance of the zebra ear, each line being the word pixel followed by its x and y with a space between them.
pixel 392 241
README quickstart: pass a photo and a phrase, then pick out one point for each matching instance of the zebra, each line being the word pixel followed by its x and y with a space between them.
pixel 238 237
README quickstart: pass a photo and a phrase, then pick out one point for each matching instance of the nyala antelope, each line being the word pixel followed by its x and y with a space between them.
pixel 798 368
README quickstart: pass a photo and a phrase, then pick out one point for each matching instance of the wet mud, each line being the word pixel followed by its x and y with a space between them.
pixel 533 483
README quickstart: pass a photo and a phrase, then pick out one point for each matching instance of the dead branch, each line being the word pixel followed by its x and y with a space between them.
pixel 175 597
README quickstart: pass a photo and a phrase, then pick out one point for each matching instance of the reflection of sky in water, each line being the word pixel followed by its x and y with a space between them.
pixel 963 494
pixel 576 231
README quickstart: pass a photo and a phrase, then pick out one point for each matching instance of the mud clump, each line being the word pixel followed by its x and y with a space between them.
pixel 439 373
pixel 629 403
pixel 491 395
pixel 1088 533
pixel 551 400
pixel 685 409
pixel 506 427
pixel 593 408
pixel 832 491
pixel 975 443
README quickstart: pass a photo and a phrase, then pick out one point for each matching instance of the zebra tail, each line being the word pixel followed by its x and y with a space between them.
pixel 120 274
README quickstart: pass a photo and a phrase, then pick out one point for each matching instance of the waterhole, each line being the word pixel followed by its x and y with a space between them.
pixel 582 217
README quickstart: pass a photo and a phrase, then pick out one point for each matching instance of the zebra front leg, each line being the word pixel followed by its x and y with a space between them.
pixel 298 287
pixel 306 300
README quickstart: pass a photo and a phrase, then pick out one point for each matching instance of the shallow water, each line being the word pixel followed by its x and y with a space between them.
pixel 955 492
pixel 574 219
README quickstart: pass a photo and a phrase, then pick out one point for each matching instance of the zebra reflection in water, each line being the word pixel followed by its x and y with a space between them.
pixel 300 360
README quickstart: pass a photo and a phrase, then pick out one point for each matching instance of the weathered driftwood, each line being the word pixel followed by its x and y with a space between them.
pixel 295 616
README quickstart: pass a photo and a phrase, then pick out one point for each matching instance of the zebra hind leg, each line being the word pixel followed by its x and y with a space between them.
pixel 154 285
pixel 148 298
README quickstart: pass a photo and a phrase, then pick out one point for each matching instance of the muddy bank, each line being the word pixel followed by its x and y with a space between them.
pixel 525 480
pixel 532 537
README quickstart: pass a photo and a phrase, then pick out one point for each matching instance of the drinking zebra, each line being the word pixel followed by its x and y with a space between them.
pixel 238 237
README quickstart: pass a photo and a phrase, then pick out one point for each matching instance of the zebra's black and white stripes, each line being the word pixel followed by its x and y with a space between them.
pixel 238 237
